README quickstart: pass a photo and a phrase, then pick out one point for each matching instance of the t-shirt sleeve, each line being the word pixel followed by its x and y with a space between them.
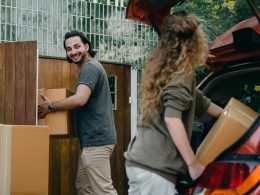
pixel 177 97
pixel 202 103
pixel 89 76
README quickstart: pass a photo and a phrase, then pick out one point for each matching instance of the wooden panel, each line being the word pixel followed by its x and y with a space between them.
pixel 64 166
pixel 30 82
pixel 73 163
pixel 18 83
pixel 69 74
pixel 122 122
pixel 57 73
pixel 64 151
pixel 9 83
pixel 65 76
pixel 73 78
pixel 2 83
pixel 54 167
pixel 42 73
pixel 49 74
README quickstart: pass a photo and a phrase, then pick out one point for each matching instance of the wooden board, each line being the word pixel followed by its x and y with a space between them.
pixel 18 80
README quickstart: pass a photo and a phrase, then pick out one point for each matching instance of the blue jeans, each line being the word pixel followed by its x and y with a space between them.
pixel 143 182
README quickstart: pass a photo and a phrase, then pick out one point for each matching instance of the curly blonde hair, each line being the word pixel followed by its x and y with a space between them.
pixel 182 47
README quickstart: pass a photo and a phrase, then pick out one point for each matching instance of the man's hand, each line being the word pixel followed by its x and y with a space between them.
pixel 43 107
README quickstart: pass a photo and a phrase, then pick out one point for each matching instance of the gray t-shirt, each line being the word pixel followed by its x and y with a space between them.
pixel 95 119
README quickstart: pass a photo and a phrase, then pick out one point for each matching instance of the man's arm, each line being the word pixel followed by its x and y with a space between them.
pixel 79 99
pixel 180 139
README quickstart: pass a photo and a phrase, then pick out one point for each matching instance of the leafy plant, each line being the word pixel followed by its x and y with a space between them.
pixel 217 15
pixel 250 95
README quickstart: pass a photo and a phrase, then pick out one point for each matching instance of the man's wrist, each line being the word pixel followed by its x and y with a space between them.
pixel 51 108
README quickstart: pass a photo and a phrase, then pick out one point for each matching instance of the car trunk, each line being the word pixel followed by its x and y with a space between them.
pixel 151 12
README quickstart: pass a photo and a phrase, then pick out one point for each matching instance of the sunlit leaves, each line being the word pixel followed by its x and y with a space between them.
pixel 217 15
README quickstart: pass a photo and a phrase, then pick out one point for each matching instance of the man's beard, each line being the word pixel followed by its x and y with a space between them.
pixel 80 61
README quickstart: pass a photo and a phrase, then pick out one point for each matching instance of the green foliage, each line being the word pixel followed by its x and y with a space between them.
pixel 217 15
pixel 250 95
pixel 201 72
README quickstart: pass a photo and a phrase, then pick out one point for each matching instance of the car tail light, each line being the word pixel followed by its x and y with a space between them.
pixel 223 175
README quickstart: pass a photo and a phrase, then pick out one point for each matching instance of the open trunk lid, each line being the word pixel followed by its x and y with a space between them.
pixel 150 12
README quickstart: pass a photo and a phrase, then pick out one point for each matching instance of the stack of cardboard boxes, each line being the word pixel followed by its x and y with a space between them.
pixel 31 154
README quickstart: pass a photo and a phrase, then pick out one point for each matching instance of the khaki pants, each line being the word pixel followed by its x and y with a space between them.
pixel 94 172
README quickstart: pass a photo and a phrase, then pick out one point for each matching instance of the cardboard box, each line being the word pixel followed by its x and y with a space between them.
pixel 60 122
pixel 24 159
pixel 230 126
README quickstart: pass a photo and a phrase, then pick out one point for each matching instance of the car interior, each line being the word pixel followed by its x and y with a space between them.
pixel 242 84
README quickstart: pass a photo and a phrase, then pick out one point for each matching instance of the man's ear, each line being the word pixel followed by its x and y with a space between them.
pixel 87 46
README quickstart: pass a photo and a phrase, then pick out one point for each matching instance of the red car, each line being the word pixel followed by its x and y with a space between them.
pixel 234 72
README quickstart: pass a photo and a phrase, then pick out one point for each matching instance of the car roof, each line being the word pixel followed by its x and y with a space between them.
pixel 239 43
pixel 227 37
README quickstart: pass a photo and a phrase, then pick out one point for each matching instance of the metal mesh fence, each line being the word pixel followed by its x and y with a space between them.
pixel 115 38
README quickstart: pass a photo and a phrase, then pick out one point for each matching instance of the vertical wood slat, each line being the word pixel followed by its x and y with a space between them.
pixel 55 164
pixel 73 163
pixel 64 168
pixel 41 73
pixel 2 82
pixel 49 74
pixel 10 56
pixel 51 160
pixel 57 73
pixel 20 89
pixel 73 77
pixel 31 76
pixel 65 75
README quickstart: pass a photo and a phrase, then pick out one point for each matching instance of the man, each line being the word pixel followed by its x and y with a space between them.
pixel 96 129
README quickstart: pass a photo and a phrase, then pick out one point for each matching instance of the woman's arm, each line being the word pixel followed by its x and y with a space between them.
pixel 214 110
pixel 180 139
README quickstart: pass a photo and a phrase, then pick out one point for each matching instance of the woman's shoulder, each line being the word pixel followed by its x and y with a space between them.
pixel 182 80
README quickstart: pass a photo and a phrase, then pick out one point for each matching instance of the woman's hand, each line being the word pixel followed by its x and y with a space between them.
pixel 195 170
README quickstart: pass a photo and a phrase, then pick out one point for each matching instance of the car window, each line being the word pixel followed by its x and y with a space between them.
pixel 243 84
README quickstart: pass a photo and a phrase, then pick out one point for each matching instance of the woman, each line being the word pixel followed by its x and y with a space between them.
pixel 169 102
